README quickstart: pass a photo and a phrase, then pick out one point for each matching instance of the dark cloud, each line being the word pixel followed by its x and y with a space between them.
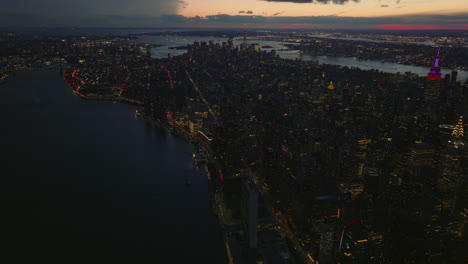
pixel 224 19
pixel 336 14
pixel 384 6
pixel 277 14
pixel 55 8
pixel 84 12
pixel 229 20
pixel 249 12
pixel 241 12
pixel 8 19
pixel 182 4
pixel 293 1
pixel 337 2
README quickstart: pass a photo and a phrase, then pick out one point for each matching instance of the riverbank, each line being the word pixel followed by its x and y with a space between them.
pixel 75 87
pixel 203 156
pixel 409 63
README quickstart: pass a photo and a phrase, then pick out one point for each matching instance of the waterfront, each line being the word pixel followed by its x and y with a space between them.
pixel 86 178
pixel 390 67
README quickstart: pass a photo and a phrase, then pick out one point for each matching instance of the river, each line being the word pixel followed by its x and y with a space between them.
pixel 425 43
pixel 88 178
pixel 390 67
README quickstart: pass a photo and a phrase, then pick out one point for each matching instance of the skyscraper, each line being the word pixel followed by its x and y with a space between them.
pixel 458 131
pixel 433 81
pixel 244 44
pixel 435 73
pixel 454 76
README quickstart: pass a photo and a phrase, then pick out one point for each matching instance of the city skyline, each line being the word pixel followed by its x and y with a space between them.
pixel 286 14
pixel 246 146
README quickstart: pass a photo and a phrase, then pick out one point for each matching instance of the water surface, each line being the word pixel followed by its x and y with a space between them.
pixel 87 178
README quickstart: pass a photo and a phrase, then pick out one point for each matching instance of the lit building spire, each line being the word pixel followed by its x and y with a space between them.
pixel 458 131
pixel 435 73
pixel 331 86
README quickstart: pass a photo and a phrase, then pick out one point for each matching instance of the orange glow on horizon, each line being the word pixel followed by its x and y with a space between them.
pixel 362 8
pixel 422 27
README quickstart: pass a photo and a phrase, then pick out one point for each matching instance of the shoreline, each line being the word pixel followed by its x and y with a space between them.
pixel 188 138
pixel 214 172
pixel 115 99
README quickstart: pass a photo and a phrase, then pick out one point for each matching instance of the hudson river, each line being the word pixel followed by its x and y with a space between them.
pixel 87 178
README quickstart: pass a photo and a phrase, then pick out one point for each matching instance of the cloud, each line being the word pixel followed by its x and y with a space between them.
pixel 337 2
pixel 292 1
pixel 384 6
pixel 56 8
pixel 85 12
pixel 233 21
pixel 241 12
pixel 336 14
pixel 224 20
pixel 249 12
pixel 279 13
pixel 253 21
pixel 182 4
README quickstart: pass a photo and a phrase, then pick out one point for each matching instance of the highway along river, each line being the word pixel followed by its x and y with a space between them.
pixel 86 178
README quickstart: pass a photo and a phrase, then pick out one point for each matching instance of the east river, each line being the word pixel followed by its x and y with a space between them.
pixel 390 67
pixel 87 178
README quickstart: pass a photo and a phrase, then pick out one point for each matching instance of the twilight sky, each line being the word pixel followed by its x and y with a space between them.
pixel 386 14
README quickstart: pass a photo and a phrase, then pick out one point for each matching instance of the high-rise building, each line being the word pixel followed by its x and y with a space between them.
pixel 435 73
pixel 458 131
pixel 433 81
pixel 244 42
pixel 451 169
pixel 454 76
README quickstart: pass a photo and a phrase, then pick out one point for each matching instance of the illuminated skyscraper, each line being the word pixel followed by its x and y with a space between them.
pixel 434 81
pixel 435 73
pixel 458 131
pixel 451 170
